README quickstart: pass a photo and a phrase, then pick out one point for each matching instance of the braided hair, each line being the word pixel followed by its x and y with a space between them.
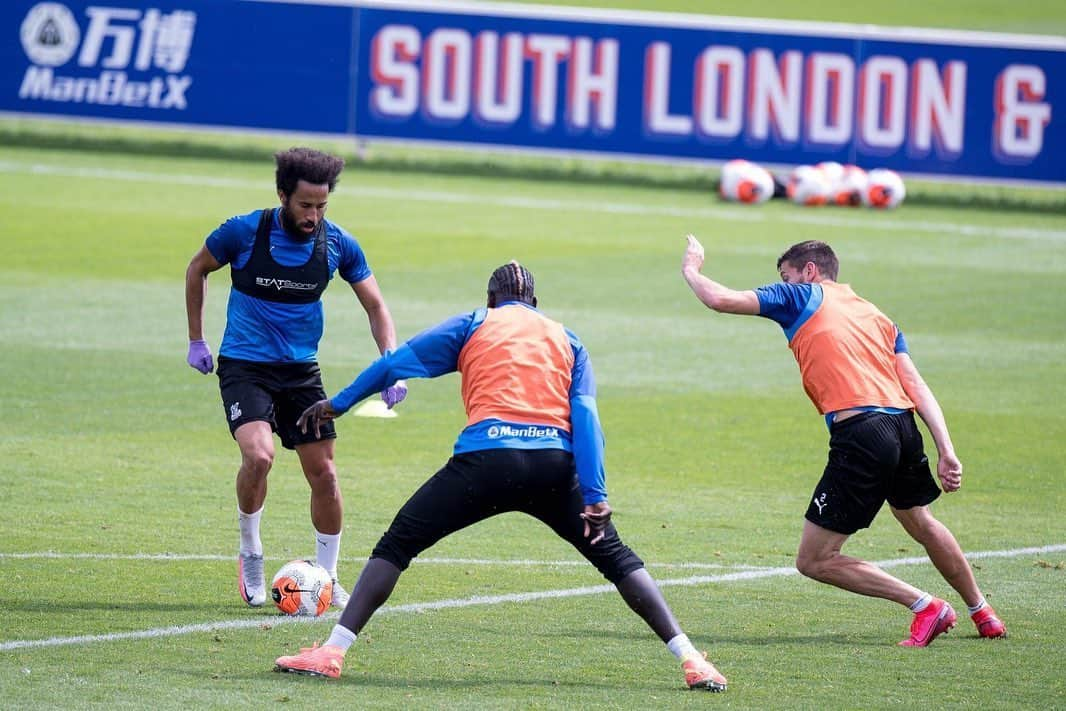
pixel 511 282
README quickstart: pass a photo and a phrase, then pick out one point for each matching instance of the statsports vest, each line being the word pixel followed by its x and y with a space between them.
pixel 846 354
pixel 263 278
pixel 517 367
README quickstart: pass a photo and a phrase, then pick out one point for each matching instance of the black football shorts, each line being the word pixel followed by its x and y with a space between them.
pixel 873 457
pixel 277 393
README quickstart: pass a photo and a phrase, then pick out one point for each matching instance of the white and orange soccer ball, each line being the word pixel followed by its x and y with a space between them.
pixel 302 588
pixel 849 189
pixel 884 189
pixel 833 172
pixel 808 185
pixel 744 181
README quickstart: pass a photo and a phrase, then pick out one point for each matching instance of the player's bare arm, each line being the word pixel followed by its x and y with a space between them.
pixel 714 295
pixel 377 312
pixel 383 331
pixel 202 264
pixel 948 466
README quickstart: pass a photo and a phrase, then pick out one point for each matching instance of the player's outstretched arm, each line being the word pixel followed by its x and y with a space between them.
pixel 948 466
pixel 711 293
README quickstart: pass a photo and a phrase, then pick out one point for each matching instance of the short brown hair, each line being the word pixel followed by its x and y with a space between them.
pixel 812 251
pixel 315 167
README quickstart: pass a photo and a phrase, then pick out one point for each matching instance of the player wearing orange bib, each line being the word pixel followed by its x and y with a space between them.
pixel 532 444
pixel 857 371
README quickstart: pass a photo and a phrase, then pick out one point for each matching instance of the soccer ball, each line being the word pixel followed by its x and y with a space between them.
pixel 744 181
pixel 832 171
pixel 884 189
pixel 302 588
pixel 851 186
pixel 808 185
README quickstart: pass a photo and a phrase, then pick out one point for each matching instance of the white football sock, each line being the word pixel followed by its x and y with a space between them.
pixel 681 647
pixel 978 607
pixel 341 637
pixel 327 550
pixel 921 603
pixel 249 525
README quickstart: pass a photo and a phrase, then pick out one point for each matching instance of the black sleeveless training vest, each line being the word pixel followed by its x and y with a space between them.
pixel 265 279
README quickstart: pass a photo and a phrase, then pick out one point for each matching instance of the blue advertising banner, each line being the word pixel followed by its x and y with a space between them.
pixel 645 84
pixel 205 62
pixel 960 105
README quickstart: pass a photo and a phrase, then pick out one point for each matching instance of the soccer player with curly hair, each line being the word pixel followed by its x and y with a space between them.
pixel 281 260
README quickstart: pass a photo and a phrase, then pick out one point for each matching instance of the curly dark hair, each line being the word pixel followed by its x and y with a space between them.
pixel 812 251
pixel 511 282
pixel 315 167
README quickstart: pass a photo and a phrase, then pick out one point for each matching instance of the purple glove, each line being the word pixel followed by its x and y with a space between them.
pixel 394 394
pixel 200 357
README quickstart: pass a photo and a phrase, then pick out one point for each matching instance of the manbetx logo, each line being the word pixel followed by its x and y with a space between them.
pixel 497 431
pixel 117 39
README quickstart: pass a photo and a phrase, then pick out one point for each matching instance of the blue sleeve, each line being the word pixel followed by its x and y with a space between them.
pixel 586 432
pixel 901 342
pixel 783 302
pixel 433 352
pixel 352 265
pixel 232 237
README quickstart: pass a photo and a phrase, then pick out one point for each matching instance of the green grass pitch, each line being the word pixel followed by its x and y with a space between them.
pixel 116 470
pixel 118 531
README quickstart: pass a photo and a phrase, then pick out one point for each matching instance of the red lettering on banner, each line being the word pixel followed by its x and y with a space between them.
pixel 819 100
pixel 1021 115
pixel 937 109
pixel 882 105
pixel 593 83
pixel 657 117
pixel 498 78
pixel 392 56
pixel 546 52
pixel 774 96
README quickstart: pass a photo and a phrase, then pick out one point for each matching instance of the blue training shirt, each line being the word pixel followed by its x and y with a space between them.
pixel 267 331
pixel 436 351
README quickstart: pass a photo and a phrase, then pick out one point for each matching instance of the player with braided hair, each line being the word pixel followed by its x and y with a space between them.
pixel 532 443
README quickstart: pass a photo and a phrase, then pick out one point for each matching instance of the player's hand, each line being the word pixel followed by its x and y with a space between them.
pixel 394 394
pixel 693 259
pixel 200 356
pixel 949 469
pixel 596 516
pixel 321 411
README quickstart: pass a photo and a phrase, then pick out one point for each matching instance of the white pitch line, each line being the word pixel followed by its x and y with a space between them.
pixel 528 563
pixel 735 214
pixel 477 600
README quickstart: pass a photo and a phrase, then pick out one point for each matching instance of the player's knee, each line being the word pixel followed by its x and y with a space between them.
pixel 391 548
pixel 258 461
pixel 406 537
pixel 809 566
pixel 614 559
pixel 324 481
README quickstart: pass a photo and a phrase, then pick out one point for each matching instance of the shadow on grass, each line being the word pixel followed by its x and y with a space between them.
pixel 261 669
pixel 717 639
